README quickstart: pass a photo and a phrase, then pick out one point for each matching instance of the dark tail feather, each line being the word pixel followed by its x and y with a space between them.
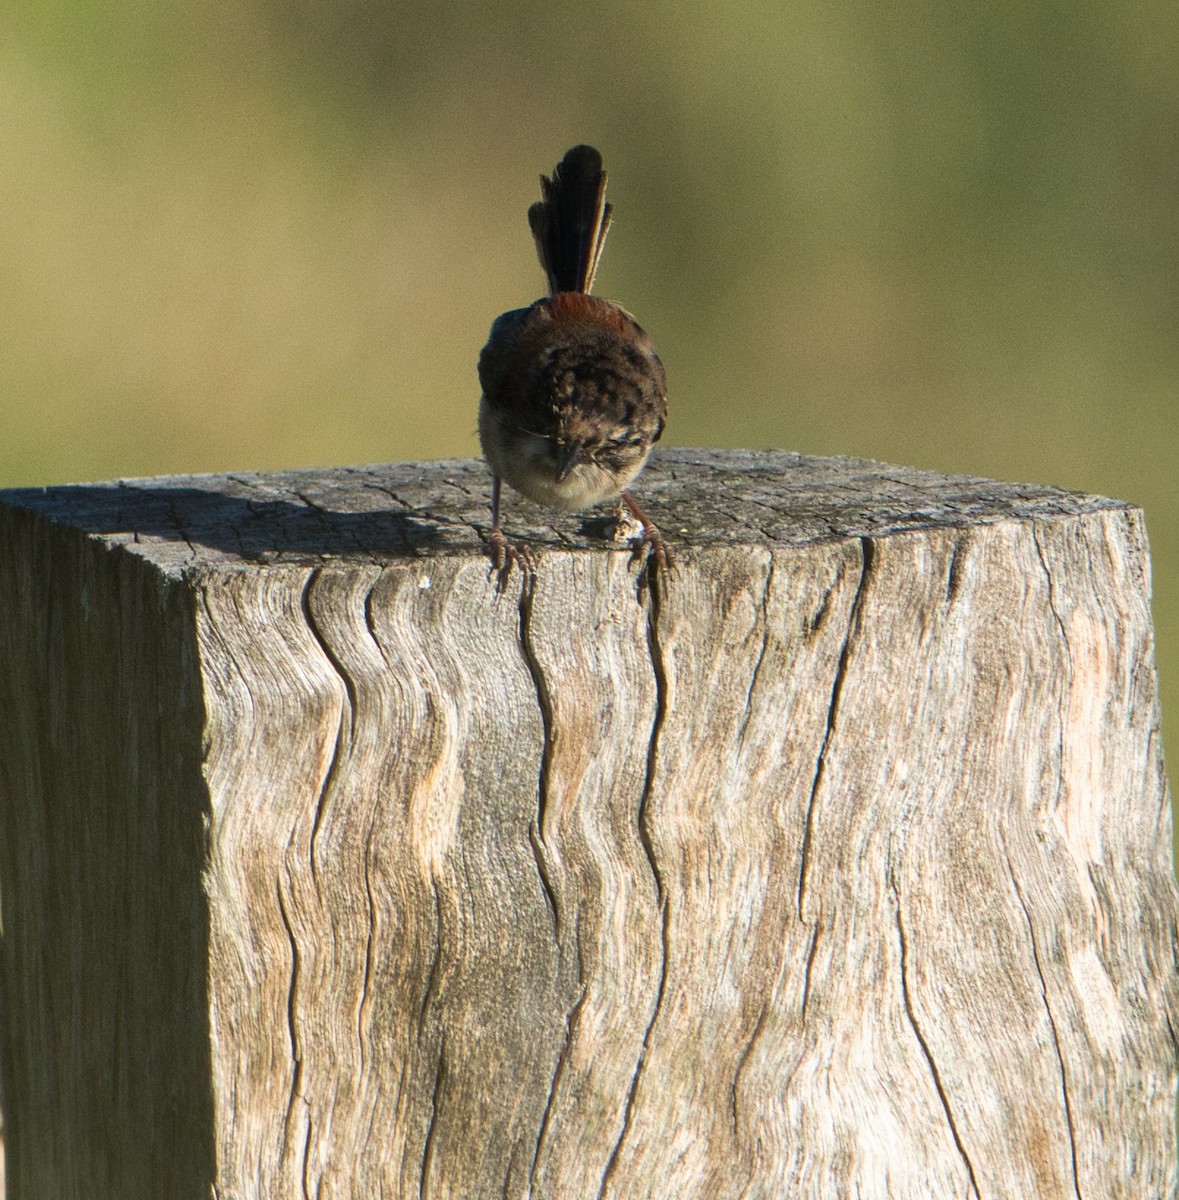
pixel 571 220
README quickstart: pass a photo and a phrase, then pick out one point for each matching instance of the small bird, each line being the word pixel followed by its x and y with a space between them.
pixel 574 395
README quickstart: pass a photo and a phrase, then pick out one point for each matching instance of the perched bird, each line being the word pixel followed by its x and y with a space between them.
pixel 574 395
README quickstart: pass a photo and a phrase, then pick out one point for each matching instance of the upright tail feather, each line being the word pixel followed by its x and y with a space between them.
pixel 570 222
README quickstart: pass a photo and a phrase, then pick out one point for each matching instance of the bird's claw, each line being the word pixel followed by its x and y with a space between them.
pixel 505 555
pixel 658 559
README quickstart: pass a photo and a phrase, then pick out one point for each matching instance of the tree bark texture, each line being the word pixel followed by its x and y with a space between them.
pixel 837 865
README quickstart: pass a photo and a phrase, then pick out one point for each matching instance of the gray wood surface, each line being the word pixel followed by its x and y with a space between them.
pixel 839 867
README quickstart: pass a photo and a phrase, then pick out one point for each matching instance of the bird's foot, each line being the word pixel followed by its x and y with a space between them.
pixel 505 555
pixel 646 541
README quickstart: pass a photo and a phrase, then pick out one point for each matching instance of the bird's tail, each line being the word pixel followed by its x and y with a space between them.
pixel 570 222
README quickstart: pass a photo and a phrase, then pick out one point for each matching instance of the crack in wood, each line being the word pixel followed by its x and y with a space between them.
pixel 765 642
pixel 435 966
pixel 366 978
pixel 544 702
pixel 1063 697
pixel 329 519
pixel 659 669
pixel 812 624
pixel 867 559
pixel 1068 1108
pixel 424 511
pixel 571 1020
pixel 956 568
pixel 370 900
pixel 296 1053
pixel 178 521
pixel 208 706
pixel 628 1115
pixel 306 1176
pixel 536 840
pixel 742 1060
pixel 432 1127
pixel 1170 1025
pixel 943 1095
pixel 347 710
pixel 658 665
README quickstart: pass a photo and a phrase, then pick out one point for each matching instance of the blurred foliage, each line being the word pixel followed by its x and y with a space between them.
pixel 274 232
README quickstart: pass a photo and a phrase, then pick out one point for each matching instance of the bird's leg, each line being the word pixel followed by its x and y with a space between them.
pixel 651 540
pixel 496 542
pixel 503 553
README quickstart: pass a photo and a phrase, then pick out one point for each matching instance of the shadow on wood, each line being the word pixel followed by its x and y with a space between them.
pixel 840 866
pixel 103 813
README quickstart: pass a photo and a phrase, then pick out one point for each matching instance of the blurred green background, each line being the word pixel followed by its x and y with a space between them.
pixel 269 233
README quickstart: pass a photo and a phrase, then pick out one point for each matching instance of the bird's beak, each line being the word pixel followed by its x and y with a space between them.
pixel 568 456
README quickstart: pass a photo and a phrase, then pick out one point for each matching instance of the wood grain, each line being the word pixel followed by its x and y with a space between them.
pixel 841 866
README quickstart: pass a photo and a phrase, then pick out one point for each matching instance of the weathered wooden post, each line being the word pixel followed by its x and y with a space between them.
pixel 841 867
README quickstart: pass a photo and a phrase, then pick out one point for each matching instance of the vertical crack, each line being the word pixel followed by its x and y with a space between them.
pixel 537 840
pixel 1068 1110
pixel 956 568
pixel 867 558
pixel 661 703
pixel 306 1178
pixel 366 978
pixel 813 623
pixel 925 1050
pixel 174 512
pixel 435 967
pixel 1060 705
pixel 544 701
pixel 660 671
pixel 370 930
pixel 765 641
pixel 432 1128
pixel 612 1162
pixel 347 713
pixel 1051 589
pixel 571 1020
pixel 292 1032
pixel 754 1037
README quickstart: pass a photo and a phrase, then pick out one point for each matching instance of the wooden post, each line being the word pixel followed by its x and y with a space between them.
pixel 840 867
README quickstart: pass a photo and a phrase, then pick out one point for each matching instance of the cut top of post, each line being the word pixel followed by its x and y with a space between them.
pixel 395 511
